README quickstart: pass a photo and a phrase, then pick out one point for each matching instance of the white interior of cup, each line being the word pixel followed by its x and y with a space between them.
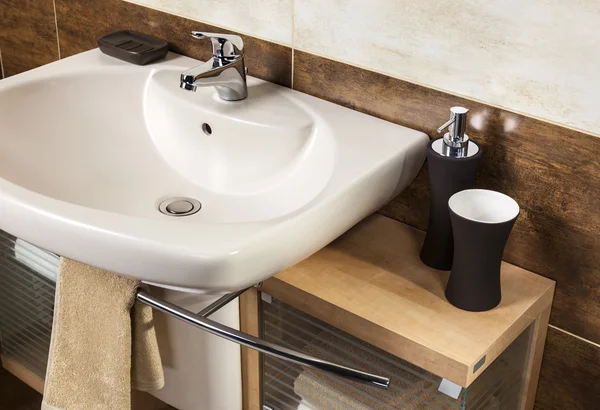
pixel 482 205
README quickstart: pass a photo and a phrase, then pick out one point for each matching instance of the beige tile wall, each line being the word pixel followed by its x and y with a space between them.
pixel 267 19
pixel 537 57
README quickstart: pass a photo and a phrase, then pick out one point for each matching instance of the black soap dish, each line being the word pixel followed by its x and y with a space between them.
pixel 133 47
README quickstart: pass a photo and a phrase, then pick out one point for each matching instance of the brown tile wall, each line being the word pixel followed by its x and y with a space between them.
pixel 569 379
pixel 27 34
pixel 553 172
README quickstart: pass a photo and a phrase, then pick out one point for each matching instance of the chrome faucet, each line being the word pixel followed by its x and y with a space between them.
pixel 226 71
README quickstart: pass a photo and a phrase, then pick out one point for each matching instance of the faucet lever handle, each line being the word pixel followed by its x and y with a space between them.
pixel 224 45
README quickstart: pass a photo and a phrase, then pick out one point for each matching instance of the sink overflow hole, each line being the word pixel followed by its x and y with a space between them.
pixel 206 128
pixel 180 206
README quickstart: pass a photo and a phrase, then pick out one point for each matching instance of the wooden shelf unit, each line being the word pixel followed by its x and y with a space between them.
pixel 371 284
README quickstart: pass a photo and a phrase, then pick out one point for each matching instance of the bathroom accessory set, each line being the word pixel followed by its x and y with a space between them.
pixel 468 228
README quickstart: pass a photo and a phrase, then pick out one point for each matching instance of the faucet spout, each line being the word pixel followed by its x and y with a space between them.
pixel 226 71
pixel 229 79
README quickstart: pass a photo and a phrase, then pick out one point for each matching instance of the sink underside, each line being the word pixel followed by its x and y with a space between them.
pixel 91 146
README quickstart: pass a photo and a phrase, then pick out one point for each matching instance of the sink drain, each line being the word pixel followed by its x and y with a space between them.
pixel 179 206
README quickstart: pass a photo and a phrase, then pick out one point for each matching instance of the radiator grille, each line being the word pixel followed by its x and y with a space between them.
pixel 26 302
pixel 289 387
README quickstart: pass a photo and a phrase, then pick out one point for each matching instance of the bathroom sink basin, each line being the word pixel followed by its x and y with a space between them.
pixel 92 146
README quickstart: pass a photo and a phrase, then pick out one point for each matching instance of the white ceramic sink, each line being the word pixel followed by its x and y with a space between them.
pixel 90 146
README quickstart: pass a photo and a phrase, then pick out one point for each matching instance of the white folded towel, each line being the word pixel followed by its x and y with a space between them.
pixel 304 406
pixel 40 261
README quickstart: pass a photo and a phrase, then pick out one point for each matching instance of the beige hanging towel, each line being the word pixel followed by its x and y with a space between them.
pixel 103 342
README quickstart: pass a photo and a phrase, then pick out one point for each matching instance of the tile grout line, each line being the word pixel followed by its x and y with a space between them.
pixel 1 66
pixel 292 73
pixel 293 40
pixel 575 336
pixel 56 27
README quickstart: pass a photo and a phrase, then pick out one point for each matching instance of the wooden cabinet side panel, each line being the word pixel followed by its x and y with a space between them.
pixel 251 367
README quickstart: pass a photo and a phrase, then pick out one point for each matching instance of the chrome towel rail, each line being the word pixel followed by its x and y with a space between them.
pixel 219 303
pixel 272 349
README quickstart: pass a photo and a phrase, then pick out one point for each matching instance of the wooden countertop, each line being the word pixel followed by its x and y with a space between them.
pixel 371 283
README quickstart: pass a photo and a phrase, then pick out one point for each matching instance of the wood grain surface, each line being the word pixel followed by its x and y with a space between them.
pixel 251 360
pixel 22 373
pixel 534 361
pixel 371 284
pixel 81 22
pixel 27 34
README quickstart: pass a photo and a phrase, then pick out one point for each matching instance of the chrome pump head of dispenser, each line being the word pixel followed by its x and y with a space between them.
pixel 456 143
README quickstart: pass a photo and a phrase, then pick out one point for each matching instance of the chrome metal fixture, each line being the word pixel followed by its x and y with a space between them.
pixel 201 321
pixel 179 206
pixel 456 142
pixel 219 303
pixel 226 71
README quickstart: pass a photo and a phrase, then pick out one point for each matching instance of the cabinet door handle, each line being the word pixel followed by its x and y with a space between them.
pixel 263 346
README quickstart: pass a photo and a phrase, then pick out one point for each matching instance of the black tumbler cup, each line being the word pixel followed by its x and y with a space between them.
pixel 481 224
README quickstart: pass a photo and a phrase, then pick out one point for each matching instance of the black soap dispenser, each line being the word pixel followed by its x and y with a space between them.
pixel 452 161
